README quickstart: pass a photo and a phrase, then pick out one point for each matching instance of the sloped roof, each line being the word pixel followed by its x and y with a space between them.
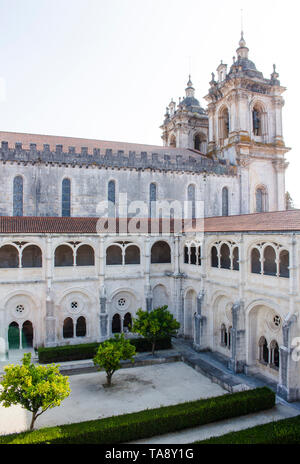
pixel 279 221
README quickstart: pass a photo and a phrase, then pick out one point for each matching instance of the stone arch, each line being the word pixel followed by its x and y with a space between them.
pixel 258 117
pixel 222 321
pixel 32 256
pixel 160 296
pixel 223 123
pixel 85 255
pixel 200 142
pixel 172 141
pixel 9 256
pixel 263 320
pixel 160 252
pixel 190 307
pixel 261 199
pixel 64 255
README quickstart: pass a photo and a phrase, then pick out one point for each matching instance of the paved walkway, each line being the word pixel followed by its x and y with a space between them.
pixel 214 367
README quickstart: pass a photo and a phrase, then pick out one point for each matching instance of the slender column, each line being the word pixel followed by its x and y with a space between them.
pixel 103 316
pixel 238 338
pixel 200 325
pixel 50 322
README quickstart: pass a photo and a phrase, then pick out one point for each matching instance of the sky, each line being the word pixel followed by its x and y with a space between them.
pixel 107 69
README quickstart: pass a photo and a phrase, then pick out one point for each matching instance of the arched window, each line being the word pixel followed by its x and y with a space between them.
pixel 270 267
pixel 32 256
pixel 257 121
pixel 214 257
pixel 114 255
pixel 153 199
pixel 224 126
pixel 132 255
pixel 81 327
pixel 225 208
pixel 127 322
pixel 160 253
pixel 68 329
pixel 27 335
pixel 116 324
pixel 261 200
pixel 191 201
pixel 9 257
pixel 200 143
pixel 197 142
pixel 274 354
pixel 111 197
pixel 85 256
pixel 18 196
pixel 193 255
pixel 284 264
pixel 235 259
pixel 13 336
pixel 223 335
pixel 225 256
pixel 186 255
pixel 63 256
pixel 255 261
pixel 263 351
pixel 66 198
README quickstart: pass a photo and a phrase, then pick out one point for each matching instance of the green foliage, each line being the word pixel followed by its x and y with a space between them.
pixel 111 352
pixel 88 350
pixel 148 423
pixel 36 388
pixel 155 324
pixel 283 432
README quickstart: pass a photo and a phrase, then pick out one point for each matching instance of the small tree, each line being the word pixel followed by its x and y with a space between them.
pixel 111 352
pixel 155 324
pixel 36 388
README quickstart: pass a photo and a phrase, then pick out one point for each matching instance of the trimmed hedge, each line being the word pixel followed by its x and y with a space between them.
pixel 88 350
pixel 283 432
pixel 151 422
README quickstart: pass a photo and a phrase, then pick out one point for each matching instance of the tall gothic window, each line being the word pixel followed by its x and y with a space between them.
pixel 66 198
pixel 111 197
pixel 191 202
pixel 224 126
pixel 18 196
pixel 225 201
pixel 261 200
pixel 153 199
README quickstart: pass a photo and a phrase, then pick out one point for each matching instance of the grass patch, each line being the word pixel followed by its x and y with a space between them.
pixel 150 422
pixel 283 432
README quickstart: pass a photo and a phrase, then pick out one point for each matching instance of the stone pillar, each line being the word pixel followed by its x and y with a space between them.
pixel 3 337
pixel 289 383
pixel 103 315
pixel 149 299
pixel 50 323
pixel 238 338
pixel 200 325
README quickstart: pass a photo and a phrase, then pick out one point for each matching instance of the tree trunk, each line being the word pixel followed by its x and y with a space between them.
pixel 33 420
pixel 153 347
pixel 108 379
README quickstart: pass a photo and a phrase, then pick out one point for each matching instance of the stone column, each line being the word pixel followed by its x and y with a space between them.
pixel 200 325
pixel 289 384
pixel 103 316
pixel 50 322
pixel 3 337
pixel 238 338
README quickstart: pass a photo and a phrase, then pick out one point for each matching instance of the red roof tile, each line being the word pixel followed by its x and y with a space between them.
pixel 281 221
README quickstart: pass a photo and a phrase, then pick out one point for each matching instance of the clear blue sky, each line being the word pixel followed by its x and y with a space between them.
pixel 106 69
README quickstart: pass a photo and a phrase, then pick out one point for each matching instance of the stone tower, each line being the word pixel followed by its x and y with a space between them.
pixel 245 128
pixel 186 125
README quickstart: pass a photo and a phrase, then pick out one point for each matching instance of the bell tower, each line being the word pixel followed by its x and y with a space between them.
pixel 245 128
pixel 186 124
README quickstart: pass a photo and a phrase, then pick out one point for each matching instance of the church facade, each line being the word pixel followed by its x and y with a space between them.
pixel 86 240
